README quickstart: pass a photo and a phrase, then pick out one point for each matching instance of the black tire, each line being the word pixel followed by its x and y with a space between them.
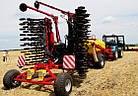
pixel 63 84
pixel 120 54
pixel 9 81
pixel 115 55
pixel 101 61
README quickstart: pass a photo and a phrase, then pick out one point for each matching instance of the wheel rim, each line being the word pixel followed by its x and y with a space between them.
pixel 15 82
pixel 68 85
pixel 116 54
pixel 121 53
pixel 102 63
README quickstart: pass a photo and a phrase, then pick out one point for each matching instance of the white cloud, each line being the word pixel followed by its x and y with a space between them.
pixel 108 19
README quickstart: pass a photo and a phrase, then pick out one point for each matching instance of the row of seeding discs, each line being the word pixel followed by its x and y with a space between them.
pixel 81 36
pixel 33 40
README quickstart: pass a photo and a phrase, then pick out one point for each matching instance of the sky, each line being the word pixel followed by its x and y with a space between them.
pixel 107 17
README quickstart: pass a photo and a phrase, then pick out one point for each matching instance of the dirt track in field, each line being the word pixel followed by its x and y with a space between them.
pixel 117 78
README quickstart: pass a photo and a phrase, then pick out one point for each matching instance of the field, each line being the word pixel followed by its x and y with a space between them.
pixel 117 78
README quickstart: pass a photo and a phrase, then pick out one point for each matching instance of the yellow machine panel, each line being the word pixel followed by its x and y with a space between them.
pixel 41 74
pixel 30 73
pixel 98 42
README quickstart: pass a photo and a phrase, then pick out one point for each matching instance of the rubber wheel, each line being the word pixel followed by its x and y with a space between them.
pixel 115 55
pixel 101 63
pixel 120 54
pixel 9 81
pixel 63 84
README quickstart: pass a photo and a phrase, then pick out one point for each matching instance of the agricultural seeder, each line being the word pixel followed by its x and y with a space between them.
pixel 45 53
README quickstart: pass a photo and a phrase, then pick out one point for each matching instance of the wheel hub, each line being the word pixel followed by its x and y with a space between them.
pixel 68 85
pixel 102 63
pixel 116 54
pixel 15 83
pixel 121 53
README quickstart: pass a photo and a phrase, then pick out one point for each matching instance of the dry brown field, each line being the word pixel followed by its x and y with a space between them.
pixel 117 78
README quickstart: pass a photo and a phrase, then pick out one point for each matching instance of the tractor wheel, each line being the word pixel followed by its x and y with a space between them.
pixel 115 55
pixel 120 54
pixel 63 84
pixel 9 81
pixel 101 61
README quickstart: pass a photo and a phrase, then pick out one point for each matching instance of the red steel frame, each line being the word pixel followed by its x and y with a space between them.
pixel 49 40
pixel 47 67
pixel 103 50
pixel 46 34
pixel 55 19
pixel 62 11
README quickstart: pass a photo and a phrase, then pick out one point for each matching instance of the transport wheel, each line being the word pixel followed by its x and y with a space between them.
pixel 101 63
pixel 9 81
pixel 120 54
pixel 63 84
pixel 115 55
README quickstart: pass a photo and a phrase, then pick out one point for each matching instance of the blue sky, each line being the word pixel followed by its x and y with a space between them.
pixel 107 17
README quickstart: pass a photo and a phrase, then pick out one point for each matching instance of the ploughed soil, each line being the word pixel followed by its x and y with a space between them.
pixel 117 78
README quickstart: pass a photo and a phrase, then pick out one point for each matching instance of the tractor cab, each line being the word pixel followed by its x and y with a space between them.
pixel 114 40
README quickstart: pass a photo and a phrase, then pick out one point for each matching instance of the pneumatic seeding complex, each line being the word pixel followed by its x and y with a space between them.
pixel 42 51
